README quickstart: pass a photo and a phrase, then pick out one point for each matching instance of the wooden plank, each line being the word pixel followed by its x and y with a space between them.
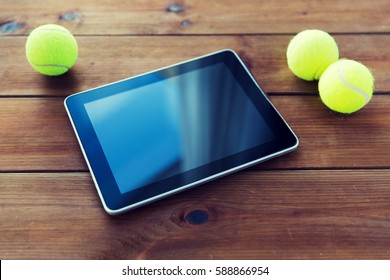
pixel 36 135
pixel 330 199
pixel 196 17
pixel 107 59
pixel 317 214
pixel 329 139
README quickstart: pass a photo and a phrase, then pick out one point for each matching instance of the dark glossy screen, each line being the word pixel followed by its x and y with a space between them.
pixel 175 124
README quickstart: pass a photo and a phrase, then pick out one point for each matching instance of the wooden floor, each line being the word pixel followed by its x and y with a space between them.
pixel 330 199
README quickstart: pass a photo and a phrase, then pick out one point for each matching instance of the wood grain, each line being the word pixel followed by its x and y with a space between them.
pixel 330 199
pixel 114 58
pixel 285 214
pixel 196 17
pixel 37 135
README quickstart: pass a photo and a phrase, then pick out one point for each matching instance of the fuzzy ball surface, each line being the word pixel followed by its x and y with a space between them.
pixel 346 86
pixel 51 49
pixel 310 52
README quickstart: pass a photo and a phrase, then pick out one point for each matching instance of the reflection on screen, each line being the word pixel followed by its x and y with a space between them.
pixel 175 125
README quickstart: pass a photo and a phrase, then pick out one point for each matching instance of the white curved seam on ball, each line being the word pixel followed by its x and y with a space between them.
pixel 52 65
pixel 326 61
pixel 352 87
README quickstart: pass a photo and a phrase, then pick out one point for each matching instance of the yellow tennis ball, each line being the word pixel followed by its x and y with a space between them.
pixel 51 49
pixel 346 86
pixel 310 52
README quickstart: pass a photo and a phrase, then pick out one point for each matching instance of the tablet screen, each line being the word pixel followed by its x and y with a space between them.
pixel 176 124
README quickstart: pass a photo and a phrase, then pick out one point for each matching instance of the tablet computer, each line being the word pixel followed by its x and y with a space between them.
pixel 162 132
